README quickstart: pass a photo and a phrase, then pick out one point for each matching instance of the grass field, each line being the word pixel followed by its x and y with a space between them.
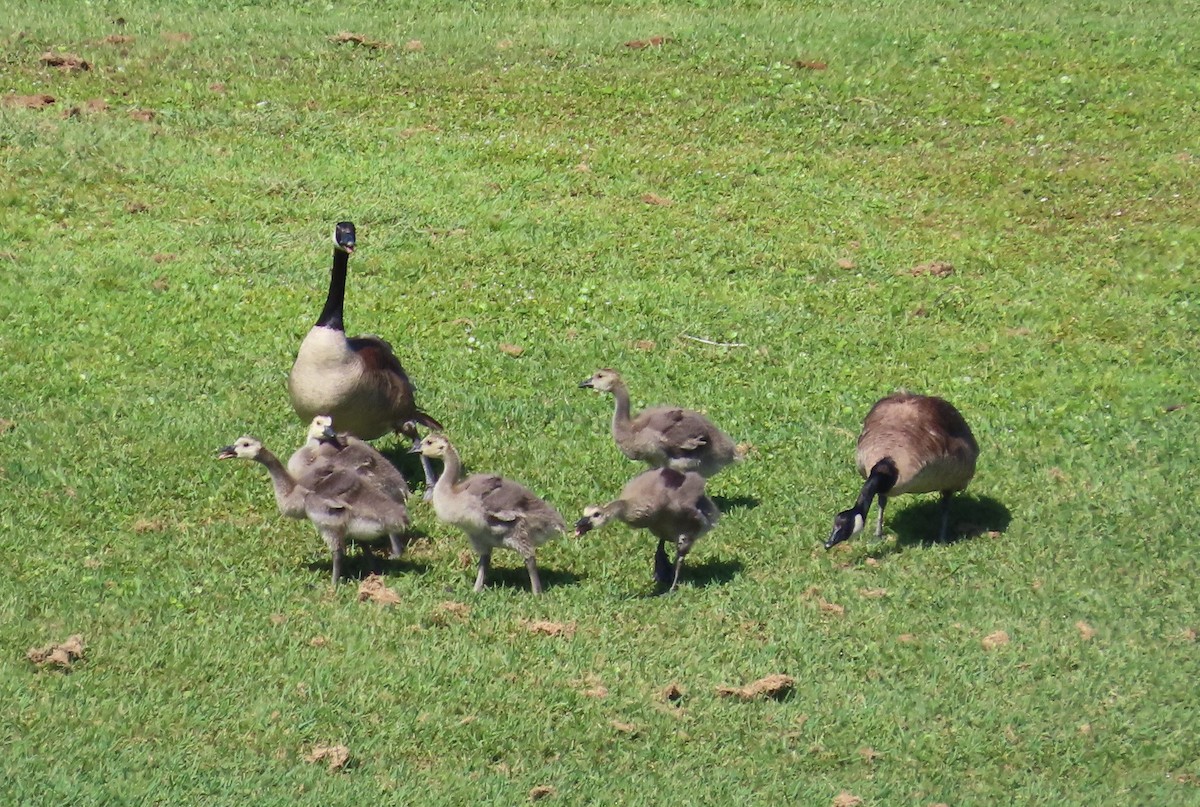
pixel 770 176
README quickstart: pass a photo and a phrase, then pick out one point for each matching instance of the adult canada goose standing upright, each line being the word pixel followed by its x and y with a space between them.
pixel 665 436
pixel 342 504
pixel 909 444
pixel 492 511
pixel 357 381
pixel 670 504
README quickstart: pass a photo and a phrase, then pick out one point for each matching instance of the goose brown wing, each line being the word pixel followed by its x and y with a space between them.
pixel 384 370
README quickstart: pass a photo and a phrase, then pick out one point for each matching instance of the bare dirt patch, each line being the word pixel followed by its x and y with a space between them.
pixel 995 640
pixel 62 655
pixel 830 607
pixel 1086 631
pixel 349 38
pixel 548 628
pixel 810 64
pixel 650 42
pixel 444 612
pixel 846 799
pixel 776 686
pixel 374 590
pixel 511 350
pixel 144 525
pixel 143 115
pixel 933 268
pixel 593 687
pixel 624 728
pixel 414 46
pixel 177 36
pixel 873 593
pixel 39 101
pixel 117 39
pixel 672 693
pixel 541 792
pixel 655 199
pixel 336 756
pixel 64 61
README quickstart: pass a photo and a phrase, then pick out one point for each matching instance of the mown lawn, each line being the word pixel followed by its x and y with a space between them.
pixel 771 177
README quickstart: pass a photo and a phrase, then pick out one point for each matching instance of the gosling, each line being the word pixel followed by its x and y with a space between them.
pixel 665 436
pixel 341 504
pixel 491 510
pixel 670 504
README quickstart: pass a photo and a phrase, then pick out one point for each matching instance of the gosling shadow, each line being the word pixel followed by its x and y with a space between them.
pixel 699 574
pixel 730 504
pixel 398 453
pixel 364 558
pixel 501 576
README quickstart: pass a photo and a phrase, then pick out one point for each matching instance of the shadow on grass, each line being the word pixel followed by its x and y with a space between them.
pixel 728 504
pixel 409 464
pixel 918 523
pixel 501 576
pixel 371 557
pixel 698 574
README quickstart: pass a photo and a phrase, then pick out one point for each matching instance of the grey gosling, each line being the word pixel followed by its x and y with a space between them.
pixel 670 504
pixel 326 449
pixel 491 510
pixel 357 381
pixel 909 444
pixel 340 503
pixel 665 436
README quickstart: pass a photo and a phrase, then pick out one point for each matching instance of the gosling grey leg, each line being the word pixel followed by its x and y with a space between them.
pixel 485 564
pixel 535 580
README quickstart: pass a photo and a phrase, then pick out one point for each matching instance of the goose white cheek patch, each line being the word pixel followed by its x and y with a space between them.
pixel 858 524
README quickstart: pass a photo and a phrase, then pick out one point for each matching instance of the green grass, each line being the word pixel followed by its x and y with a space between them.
pixel 156 278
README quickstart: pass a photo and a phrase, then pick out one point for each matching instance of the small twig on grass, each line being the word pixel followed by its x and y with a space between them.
pixel 704 341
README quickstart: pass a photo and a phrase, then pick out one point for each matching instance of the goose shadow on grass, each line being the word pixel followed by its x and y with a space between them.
pixel 697 574
pixel 398 453
pixel 918 523
pixel 730 504
pixel 366 558
pixel 505 576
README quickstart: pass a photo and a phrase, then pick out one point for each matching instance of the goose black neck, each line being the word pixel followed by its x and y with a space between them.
pixel 331 314
pixel 882 479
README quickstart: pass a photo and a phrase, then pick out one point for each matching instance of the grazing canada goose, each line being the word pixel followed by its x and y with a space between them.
pixel 342 504
pixel 909 444
pixel 491 510
pixel 670 504
pixel 665 436
pixel 356 381
pixel 327 449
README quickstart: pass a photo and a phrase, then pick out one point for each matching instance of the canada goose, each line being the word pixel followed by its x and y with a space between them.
pixel 670 504
pixel 342 504
pixel 909 444
pixel 665 436
pixel 491 510
pixel 345 452
pixel 356 381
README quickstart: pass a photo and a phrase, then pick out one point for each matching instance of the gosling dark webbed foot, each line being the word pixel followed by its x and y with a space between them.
pixel 664 570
